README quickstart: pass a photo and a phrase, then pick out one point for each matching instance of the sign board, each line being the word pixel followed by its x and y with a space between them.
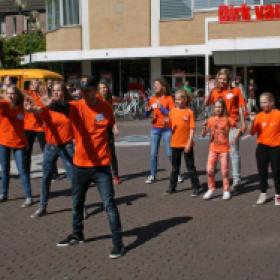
pixel 245 13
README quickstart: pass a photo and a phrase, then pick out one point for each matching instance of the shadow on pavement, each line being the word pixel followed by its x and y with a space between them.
pixel 147 232
pixel 128 200
pixel 143 174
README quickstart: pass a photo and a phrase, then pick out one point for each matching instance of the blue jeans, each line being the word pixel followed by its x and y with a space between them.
pixel 156 134
pixel 235 156
pixel 102 176
pixel 19 156
pixel 51 153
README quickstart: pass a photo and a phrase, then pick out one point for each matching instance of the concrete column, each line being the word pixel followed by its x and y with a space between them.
pixel 155 20
pixel 86 68
pixel 155 69
pixel 84 20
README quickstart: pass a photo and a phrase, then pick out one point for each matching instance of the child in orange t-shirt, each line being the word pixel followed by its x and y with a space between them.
pixel 266 125
pixel 183 126
pixel 219 126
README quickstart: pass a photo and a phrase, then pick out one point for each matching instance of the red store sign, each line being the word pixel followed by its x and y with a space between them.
pixel 229 14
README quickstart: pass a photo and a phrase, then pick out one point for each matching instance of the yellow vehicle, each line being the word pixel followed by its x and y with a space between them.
pixel 23 76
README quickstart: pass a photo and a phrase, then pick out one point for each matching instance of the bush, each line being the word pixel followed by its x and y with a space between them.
pixel 16 47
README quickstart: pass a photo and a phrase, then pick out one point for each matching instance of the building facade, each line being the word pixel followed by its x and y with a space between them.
pixel 129 41
pixel 14 16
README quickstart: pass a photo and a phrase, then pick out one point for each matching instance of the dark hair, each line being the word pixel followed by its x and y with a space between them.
pixel 164 84
pixel 91 82
pixel 19 95
pixel 109 94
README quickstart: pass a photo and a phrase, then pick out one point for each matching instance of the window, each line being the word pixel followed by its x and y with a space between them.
pixel 2 26
pixel 207 4
pixel 70 12
pixel 271 2
pixel 53 14
pixel 175 9
pixel 14 26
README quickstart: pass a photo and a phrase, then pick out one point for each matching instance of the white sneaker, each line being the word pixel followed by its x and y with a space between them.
pixel 208 194
pixel 151 179
pixel 226 196
pixel 262 199
pixel 28 202
pixel 180 179
pixel 277 199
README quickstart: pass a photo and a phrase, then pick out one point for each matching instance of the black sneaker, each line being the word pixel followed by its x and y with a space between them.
pixel 70 240
pixel 117 251
pixel 169 192
pixel 195 192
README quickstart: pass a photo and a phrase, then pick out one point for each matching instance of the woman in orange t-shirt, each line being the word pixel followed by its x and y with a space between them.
pixel 59 136
pixel 160 105
pixel 183 126
pixel 219 126
pixel 266 125
pixel 12 139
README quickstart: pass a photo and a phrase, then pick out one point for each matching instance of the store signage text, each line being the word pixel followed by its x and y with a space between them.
pixel 228 13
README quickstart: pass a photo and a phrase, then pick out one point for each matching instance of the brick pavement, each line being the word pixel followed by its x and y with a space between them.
pixel 174 237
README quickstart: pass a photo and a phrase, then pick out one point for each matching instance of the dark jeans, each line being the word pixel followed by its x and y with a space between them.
pixel 31 137
pixel 19 155
pixel 114 159
pixel 266 155
pixel 176 154
pixel 102 176
pixel 51 153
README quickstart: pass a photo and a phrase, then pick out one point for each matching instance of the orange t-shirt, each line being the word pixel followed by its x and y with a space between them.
pixel 161 120
pixel 11 126
pixel 33 121
pixel 58 127
pixel 90 125
pixel 233 99
pixel 182 121
pixel 219 130
pixel 267 127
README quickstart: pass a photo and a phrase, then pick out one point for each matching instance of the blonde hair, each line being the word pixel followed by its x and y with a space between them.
pixel 269 96
pixel 227 73
pixel 185 95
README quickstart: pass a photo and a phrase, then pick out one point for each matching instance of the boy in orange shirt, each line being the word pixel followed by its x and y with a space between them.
pixel 266 125
pixel 219 126
pixel 183 126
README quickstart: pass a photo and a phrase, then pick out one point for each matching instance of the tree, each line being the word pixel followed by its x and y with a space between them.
pixel 16 47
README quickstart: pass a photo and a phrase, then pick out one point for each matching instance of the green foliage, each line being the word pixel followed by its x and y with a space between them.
pixel 16 47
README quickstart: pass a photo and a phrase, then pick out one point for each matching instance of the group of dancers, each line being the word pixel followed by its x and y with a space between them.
pixel 81 132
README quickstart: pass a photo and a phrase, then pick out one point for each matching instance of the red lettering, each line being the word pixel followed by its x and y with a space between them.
pixel 277 11
pixel 223 13
pixel 259 12
pixel 268 12
pixel 246 12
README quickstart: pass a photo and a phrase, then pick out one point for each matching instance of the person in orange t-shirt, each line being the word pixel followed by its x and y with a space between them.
pixel 235 105
pixel 160 105
pixel 12 139
pixel 91 117
pixel 183 126
pixel 59 136
pixel 105 94
pixel 219 126
pixel 266 125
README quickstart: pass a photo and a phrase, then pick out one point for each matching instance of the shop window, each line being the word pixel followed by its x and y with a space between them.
pixel 14 25
pixel 176 9
pixel 70 12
